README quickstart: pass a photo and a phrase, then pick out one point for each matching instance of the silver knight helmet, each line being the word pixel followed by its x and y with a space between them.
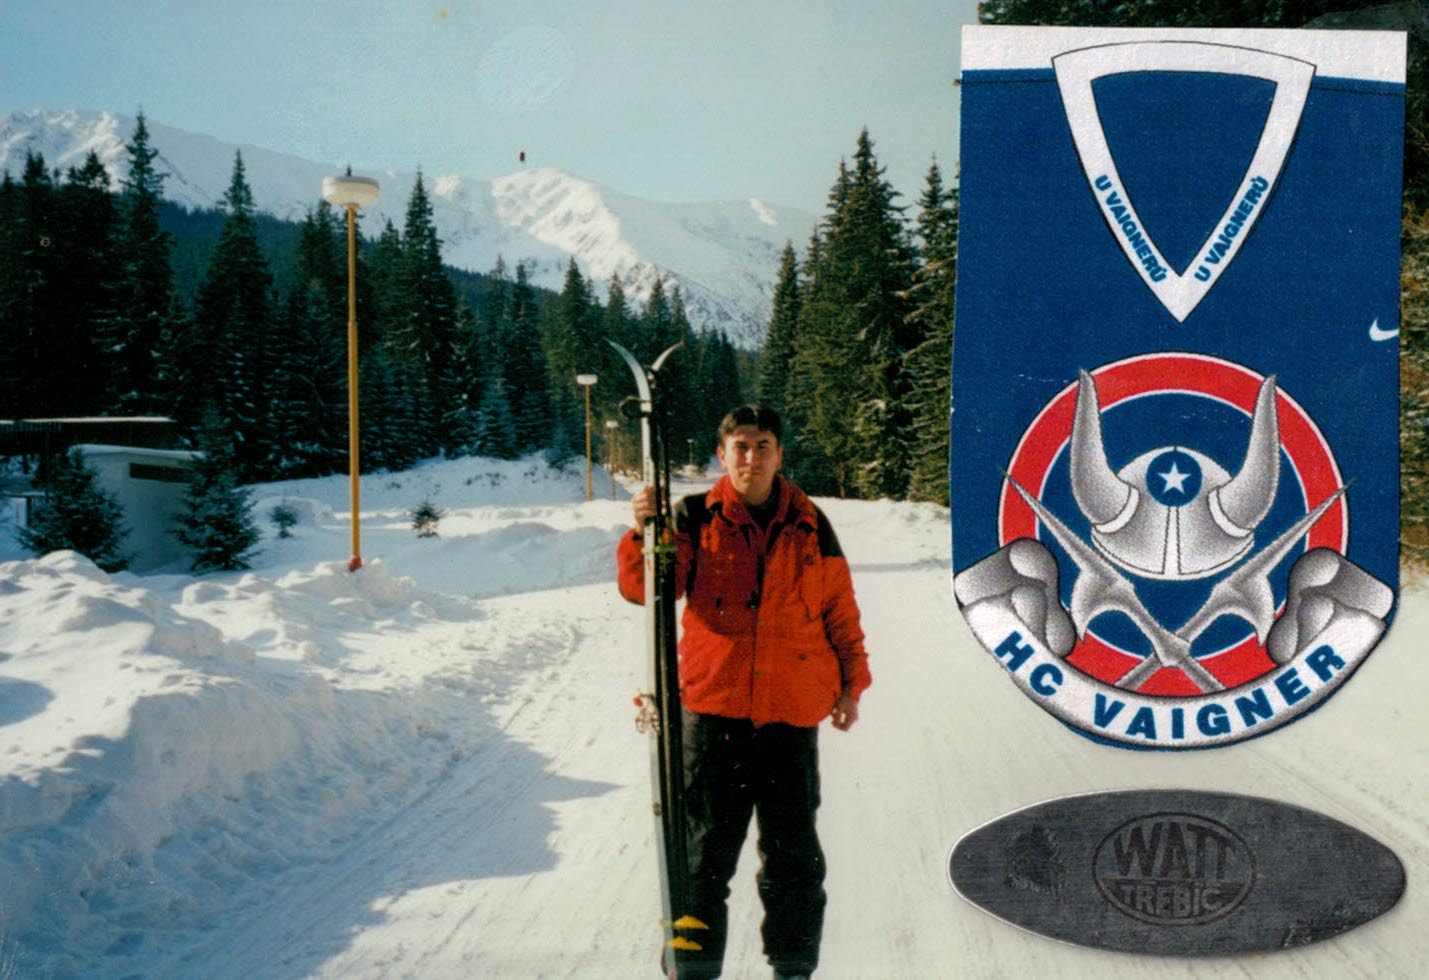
pixel 1174 513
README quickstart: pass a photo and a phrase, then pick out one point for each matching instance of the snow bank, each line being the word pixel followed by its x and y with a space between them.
pixel 153 763
pixel 170 744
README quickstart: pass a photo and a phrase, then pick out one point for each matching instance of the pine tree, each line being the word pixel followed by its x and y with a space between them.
pixel 569 328
pixel 31 297
pixel 179 366
pixel 146 288
pixel 929 365
pixel 663 323
pixel 320 263
pixel 876 228
pixel 86 268
pixel 77 515
pixel 805 457
pixel 14 340
pixel 233 325
pixel 424 325
pixel 216 523
pixel 615 318
pixel 493 315
pixel 615 324
pixel 527 379
pixel 425 518
pixel 306 408
pixel 688 411
pixel 495 428
pixel 462 385
pixel 307 404
pixel 774 360
pixel 381 326
pixel 718 389
pixel 655 330
pixel 853 335
pixel 387 417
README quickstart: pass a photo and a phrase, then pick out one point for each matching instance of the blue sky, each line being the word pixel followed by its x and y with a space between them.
pixel 657 98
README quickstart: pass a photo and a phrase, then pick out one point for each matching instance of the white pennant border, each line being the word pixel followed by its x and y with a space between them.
pixel 1180 292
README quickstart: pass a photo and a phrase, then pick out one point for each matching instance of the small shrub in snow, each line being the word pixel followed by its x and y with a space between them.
pixel 217 521
pixel 77 515
pixel 426 518
pixel 283 518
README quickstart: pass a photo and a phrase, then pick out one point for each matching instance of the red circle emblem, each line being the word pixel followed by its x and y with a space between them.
pixel 1173 373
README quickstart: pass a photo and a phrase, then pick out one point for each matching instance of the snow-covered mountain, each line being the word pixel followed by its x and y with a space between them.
pixel 724 256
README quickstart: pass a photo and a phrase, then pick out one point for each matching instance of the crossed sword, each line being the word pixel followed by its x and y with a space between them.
pixel 1101 588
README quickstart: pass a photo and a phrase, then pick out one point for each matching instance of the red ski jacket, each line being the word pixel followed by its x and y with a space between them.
pixel 770 628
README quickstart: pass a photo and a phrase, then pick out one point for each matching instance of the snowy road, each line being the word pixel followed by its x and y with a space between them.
pixel 532 857
pixel 442 778
pixel 467 878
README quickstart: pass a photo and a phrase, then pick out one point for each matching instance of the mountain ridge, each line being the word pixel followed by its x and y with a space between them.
pixel 723 255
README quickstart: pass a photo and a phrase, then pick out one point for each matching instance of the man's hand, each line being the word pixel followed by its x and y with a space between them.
pixel 643 505
pixel 845 713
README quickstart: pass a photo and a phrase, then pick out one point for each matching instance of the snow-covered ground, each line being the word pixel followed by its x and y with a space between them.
pixel 430 769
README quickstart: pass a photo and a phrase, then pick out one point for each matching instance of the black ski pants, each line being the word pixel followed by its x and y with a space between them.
pixel 733 770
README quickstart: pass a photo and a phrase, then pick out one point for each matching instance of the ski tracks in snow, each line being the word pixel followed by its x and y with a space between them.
pixel 465 877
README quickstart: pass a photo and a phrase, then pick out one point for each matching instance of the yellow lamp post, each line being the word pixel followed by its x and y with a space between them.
pixel 352 193
pixel 587 381
pixel 610 426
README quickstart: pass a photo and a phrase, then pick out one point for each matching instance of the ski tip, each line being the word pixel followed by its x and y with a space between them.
pixel 665 355
pixel 680 942
pixel 689 922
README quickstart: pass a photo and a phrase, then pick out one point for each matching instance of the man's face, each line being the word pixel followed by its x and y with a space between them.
pixel 751 457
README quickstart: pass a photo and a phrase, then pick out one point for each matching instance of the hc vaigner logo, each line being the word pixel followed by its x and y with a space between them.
pixel 1173 570
pixel 1174 869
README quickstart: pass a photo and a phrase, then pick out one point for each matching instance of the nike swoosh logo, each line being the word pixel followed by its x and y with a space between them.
pixel 1376 332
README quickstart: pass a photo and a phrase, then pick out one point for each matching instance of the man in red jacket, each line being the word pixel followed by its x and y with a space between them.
pixel 770 646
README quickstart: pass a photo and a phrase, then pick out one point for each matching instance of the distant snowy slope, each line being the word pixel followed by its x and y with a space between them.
pixel 722 255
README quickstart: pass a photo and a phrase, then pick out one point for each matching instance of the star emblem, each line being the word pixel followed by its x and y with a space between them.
pixel 1175 479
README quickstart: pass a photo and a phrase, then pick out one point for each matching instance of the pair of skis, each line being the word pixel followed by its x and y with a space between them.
pixel 660 704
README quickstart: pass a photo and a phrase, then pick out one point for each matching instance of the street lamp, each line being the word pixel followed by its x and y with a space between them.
pixel 611 425
pixel 587 381
pixel 351 193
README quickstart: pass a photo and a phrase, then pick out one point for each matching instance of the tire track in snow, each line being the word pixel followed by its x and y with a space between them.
pixel 475 840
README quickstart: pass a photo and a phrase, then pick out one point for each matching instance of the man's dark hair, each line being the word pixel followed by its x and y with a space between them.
pixel 763 418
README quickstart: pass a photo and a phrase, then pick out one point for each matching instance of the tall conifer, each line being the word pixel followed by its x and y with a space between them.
pixel 76 514
pixel 29 271
pixel 615 324
pixel 853 335
pixel 14 341
pixel 570 335
pixel 928 366
pixel 527 379
pixel 774 360
pixel 146 289
pixel 460 416
pixel 216 522
pixel 233 325
pixel 90 296
pixel 424 328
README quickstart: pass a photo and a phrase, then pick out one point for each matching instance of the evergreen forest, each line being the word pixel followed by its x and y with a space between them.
pixel 235 322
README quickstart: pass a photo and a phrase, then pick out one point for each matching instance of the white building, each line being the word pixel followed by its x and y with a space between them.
pixel 149 486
